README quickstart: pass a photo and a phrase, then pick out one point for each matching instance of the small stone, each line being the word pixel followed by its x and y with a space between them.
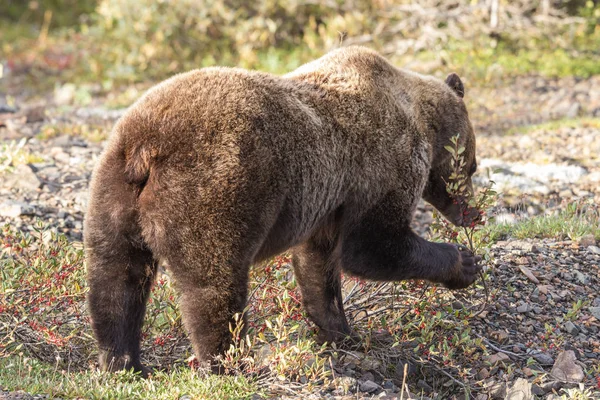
pixel 523 308
pixel 565 368
pixel 527 272
pixel 498 391
pixel 483 374
pixel 522 261
pixel 499 336
pixel 498 358
pixel 571 328
pixel 369 387
pixel 573 110
pixel 582 278
pixel 595 311
pixel 521 390
pixel 594 249
pixel 457 305
pixel 550 386
pixel 543 358
pixel 544 288
pixel 425 386
pixel 565 194
pixel 537 390
pixel 587 241
pixel 11 209
pixel 521 245
pixel 527 371
pixel 22 177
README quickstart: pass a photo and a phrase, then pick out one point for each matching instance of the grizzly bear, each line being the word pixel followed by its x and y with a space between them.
pixel 216 169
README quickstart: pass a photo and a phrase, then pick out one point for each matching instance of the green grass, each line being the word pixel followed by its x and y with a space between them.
pixel 583 122
pixel 486 60
pixel 94 133
pixel 35 377
pixel 572 223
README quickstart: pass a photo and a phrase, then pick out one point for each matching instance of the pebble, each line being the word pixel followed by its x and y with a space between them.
pixel 22 178
pixel 14 209
pixel 498 358
pixel 581 277
pixel 483 374
pixel 369 387
pixel 523 308
pixel 571 328
pixel 521 390
pixel 565 368
pixel 543 358
pixel 587 240
pixel 595 311
pixel 594 249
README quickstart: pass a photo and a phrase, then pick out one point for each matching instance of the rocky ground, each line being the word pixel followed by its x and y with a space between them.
pixel 542 322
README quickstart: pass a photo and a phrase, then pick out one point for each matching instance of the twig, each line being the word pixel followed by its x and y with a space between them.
pixel 499 348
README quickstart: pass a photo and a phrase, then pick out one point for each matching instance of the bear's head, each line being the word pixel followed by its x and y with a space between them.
pixel 452 119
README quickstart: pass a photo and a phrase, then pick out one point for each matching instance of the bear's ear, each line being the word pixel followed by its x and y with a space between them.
pixel 456 84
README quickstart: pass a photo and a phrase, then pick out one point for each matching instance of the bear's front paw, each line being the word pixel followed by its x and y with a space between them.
pixel 466 269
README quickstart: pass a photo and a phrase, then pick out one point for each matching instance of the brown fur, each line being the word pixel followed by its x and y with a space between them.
pixel 216 169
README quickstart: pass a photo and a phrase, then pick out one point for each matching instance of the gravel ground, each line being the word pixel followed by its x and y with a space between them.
pixel 538 343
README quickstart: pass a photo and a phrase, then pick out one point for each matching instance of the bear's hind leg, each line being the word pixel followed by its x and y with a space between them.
pixel 320 283
pixel 119 277
pixel 212 292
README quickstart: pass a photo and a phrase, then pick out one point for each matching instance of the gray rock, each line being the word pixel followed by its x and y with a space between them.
pixel 550 386
pixel 543 358
pixel 14 209
pixel 22 177
pixel 369 387
pixel 587 240
pixel 389 385
pixel 595 311
pixel 573 110
pixel 523 308
pixel 521 390
pixel 537 390
pixel 498 391
pixel 565 368
pixel 522 245
pixel 582 278
pixel 594 249
pixel 571 328
pixel 483 374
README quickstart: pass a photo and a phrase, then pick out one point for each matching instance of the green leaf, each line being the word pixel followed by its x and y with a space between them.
pixel 449 148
